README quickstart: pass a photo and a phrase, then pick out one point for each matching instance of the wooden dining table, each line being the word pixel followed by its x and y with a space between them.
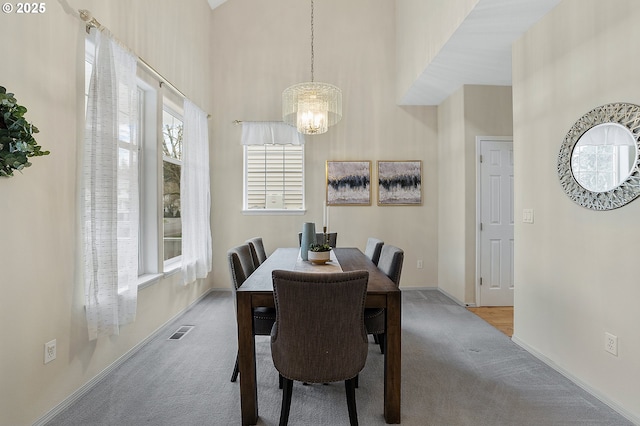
pixel 257 290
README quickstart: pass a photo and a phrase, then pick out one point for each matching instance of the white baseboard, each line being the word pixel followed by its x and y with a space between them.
pixel 453 298
pixel 622 411
pixel 84 389
pixel 464 305
pixel 417 288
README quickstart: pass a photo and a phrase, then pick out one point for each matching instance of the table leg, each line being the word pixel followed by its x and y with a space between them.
pixel 392 364
pixel 247 360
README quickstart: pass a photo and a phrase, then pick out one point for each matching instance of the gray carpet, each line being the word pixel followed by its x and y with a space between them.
pixel 456 370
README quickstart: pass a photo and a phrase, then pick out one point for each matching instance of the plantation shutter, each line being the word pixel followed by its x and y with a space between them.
pixel 274 166
pixel 274 176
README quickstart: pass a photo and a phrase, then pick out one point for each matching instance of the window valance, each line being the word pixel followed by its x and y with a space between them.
pixel 270 133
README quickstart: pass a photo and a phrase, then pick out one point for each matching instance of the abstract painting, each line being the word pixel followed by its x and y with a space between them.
pixel 349 183
pixel 400 183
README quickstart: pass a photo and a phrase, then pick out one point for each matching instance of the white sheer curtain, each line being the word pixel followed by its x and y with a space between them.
pixel 195 197
pixel 110 191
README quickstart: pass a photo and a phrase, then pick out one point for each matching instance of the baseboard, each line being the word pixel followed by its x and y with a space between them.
pixel 622 411
pixel 464 305
pixel 417 288
pixel 453 298
pixel 84 389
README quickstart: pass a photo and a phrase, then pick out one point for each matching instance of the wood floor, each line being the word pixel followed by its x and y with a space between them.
pixel 501 317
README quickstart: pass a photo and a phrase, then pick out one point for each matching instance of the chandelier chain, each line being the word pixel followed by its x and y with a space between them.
pixel 312 41
pixel 312 107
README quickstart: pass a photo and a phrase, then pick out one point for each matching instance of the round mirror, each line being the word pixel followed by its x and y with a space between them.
pixel 598 160
pixel 604 157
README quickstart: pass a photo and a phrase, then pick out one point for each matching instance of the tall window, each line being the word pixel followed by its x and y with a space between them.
pixel 274 177
pixel 152 247
pixel 172 131
pixel 110 195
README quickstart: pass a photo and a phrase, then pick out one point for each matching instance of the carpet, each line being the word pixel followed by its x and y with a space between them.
pixel 457 370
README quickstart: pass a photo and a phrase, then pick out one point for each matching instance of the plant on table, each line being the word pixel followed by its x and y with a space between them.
pixel 314 247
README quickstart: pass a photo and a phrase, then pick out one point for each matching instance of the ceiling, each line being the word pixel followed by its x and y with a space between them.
pixel 478 52
pixel 215 3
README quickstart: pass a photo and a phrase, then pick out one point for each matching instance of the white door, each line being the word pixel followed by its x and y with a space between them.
pixel 496 222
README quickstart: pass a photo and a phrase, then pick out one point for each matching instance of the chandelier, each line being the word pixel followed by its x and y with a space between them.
pixel 312 107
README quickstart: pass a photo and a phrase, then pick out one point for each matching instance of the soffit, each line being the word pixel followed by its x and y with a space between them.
pixel 479 52
pixel 215 3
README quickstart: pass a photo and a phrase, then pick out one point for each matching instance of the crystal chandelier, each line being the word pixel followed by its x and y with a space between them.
pixel 312 107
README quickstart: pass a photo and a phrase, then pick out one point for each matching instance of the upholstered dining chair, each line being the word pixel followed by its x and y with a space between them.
pixel 241 266
pixel 373 248
pixel 333 238
pixel 258 252
pixel 319 334
pixel 391 259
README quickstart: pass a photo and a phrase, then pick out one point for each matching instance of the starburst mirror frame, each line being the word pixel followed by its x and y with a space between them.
pixel 622 114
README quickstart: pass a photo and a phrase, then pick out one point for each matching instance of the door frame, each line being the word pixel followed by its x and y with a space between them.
pixel 479 140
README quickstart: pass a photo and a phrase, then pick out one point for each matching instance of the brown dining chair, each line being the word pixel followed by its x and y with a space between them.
pixel 319 334
pixel 258 252
pixel 241 266
pixel 373 248
pixel 391 259
pixel 332 236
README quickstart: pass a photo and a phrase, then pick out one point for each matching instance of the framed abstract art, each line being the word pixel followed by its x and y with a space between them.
pixel 400 183
pixel 348 183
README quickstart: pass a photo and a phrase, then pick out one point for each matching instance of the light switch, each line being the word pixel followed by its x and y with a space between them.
pixel 527 215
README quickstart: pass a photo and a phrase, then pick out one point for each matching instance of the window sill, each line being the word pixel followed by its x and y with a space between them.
pixel 273 212
pixel 170 268
pixel 148 280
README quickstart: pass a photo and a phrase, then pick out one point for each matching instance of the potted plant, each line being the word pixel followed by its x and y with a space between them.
pixel 16 136
pixel 319 253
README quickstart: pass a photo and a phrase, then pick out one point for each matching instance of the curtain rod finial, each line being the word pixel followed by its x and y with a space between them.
pixel 85 15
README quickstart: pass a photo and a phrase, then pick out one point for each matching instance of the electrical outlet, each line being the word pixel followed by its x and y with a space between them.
pixel 49 351
pixel 419 264
pixel 611 343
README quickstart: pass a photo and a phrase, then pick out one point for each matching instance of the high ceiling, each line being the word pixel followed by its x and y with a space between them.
pixel 478 52
pixel 215 3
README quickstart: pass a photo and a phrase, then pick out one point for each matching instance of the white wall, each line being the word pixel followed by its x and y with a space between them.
pixel 423 27
pixel 43 64
pixel 235 65
pixel 488 112
pixel 470 112
pixel 451 196
pixel 255 57
pixel 575 276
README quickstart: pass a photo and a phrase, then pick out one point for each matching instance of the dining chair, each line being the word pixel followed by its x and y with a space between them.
pixel 319 334
pixel 258 252
pixel 373 248
pixel 390 262
pixel 241 266
pixel 333 238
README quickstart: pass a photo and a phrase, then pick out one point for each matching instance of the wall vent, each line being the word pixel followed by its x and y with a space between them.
pixel 180 332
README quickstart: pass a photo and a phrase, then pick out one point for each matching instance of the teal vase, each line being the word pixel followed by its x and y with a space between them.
pixel 308 237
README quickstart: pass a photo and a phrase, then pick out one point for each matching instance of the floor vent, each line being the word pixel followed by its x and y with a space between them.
pixel 180 332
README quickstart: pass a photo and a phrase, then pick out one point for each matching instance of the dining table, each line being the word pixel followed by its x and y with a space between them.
pixel 257 291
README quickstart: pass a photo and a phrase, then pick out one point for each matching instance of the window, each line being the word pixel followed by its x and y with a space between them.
pixel 154 247
pixel 274 178
pixel 172 130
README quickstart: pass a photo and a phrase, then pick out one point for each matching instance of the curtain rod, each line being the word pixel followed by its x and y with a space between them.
pixel 92 22
pixel 236 122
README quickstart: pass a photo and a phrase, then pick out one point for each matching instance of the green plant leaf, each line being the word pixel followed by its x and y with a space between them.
pixel 16 136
